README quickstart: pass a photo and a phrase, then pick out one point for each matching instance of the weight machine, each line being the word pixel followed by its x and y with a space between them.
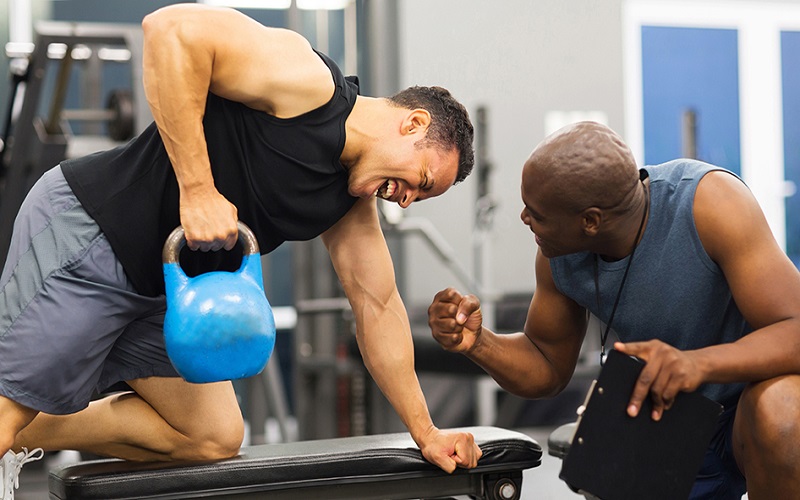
pixel 36 139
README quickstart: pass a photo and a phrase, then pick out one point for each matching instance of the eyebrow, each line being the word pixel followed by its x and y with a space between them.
pixel 532 211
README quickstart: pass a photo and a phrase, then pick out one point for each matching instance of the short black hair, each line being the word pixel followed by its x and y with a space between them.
pixel 450 124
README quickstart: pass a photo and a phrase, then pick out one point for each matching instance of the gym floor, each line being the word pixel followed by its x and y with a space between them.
pixel 541 483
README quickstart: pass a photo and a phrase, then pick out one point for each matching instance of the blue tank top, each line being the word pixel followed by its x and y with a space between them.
pixel 283 175
pixel 674 291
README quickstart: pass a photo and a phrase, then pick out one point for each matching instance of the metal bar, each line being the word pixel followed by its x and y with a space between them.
pixel 276 396
pixel 689 133
pixel 62 80
pixel 325 305
pixel 441 247
pixel 97 115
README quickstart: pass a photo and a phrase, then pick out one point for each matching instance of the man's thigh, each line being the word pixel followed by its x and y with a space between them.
pixel 64 301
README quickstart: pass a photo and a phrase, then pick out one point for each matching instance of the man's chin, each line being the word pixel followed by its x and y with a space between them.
pixel 549 252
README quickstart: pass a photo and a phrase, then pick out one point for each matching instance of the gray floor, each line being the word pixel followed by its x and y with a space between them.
pixel 540 483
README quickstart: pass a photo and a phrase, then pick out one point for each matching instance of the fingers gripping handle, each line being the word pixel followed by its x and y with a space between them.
pixel 177 239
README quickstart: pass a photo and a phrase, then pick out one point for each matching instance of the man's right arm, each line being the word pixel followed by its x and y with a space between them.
pixel 191 50
pixel 536 363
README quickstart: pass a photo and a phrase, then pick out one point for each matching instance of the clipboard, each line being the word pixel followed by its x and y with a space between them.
pixel 616 457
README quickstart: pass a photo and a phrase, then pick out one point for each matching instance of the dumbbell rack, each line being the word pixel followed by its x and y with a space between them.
pixel 37 143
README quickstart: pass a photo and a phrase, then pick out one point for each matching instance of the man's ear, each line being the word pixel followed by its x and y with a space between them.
pixel 416 121
pixel 591 220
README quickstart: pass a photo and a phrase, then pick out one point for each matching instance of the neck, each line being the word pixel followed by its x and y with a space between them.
pixel 630 229
pixel 361 132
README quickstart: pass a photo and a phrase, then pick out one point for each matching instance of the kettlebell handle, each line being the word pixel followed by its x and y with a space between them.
pixel 177 239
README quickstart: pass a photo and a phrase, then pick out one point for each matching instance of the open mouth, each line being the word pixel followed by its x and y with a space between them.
pixel 387 189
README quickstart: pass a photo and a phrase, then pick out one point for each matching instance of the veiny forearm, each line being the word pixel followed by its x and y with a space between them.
pixel 385 341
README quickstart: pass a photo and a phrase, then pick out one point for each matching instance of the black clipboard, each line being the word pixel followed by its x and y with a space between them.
pixel 616 457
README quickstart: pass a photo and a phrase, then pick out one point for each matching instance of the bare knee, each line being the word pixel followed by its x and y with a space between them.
pixel 204 420
pixel 206 443
pixel 767 425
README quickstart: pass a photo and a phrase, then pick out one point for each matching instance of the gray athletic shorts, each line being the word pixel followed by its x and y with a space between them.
pixel 71 324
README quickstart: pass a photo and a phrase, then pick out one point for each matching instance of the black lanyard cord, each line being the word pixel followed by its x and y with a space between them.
pixel 604 335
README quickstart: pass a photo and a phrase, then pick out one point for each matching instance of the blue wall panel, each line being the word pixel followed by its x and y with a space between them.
pixel 790 74
pixel 697 69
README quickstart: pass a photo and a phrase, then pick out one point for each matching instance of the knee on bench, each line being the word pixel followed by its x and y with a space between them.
pixel 210 444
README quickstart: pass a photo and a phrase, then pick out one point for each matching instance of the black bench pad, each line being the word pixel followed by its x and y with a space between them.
pixel 380 466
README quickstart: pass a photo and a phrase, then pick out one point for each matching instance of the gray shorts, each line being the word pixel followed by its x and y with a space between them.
pixel 71 324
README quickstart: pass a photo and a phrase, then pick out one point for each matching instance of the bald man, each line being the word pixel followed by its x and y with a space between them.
pixel 679 260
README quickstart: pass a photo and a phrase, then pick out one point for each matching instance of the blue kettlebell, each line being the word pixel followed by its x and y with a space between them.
pixel 218 325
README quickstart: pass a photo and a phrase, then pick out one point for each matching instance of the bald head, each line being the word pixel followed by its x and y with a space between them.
pixel 582 165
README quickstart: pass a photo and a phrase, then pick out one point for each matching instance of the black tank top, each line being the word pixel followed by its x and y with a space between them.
pixel 283 175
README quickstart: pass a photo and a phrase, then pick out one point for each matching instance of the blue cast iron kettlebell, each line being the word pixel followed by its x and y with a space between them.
pixel 219 325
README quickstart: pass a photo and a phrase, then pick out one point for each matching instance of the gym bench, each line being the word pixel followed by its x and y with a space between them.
pixel 387 466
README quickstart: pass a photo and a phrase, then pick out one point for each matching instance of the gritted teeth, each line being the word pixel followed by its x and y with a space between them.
pixel 387 189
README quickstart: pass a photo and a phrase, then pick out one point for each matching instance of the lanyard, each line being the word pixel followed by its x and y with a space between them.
pixel 604 335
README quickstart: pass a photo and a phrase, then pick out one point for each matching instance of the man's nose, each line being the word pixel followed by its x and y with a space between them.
pixel 408 198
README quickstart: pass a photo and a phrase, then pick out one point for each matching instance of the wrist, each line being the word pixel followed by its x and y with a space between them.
pixel 704 364
pixel 197 186
pixel 423 434
pixel 480 344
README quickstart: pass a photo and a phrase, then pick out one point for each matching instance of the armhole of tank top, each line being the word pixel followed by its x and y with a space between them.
pixel 695 236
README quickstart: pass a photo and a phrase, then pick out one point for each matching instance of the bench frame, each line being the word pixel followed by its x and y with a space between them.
pixel 387 466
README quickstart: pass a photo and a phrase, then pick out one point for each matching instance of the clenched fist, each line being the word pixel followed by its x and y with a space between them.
pixel 455 320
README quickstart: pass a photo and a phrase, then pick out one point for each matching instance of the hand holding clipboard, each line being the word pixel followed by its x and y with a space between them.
pixel 616 457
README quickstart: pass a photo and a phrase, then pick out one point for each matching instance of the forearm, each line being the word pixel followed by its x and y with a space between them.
pixel 763 354
pixel 384 338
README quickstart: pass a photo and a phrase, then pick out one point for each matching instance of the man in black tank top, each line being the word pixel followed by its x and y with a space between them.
pixel 251 124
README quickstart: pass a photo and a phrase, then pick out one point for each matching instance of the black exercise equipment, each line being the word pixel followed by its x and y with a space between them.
pixel 34 143
pixel 118 115
pixel 387 466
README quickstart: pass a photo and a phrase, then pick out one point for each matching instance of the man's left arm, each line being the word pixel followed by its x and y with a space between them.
pixel 362 261
pixel 765 286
